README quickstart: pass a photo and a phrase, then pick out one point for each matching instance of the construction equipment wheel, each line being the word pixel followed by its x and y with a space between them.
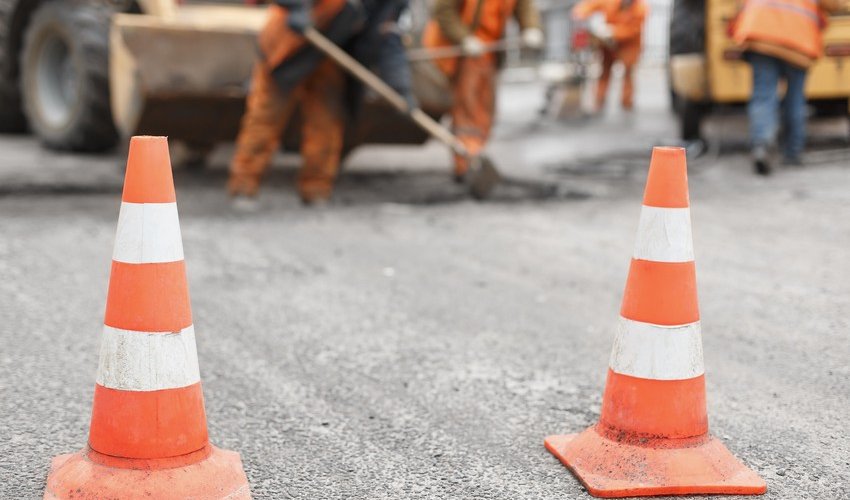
pixel 690 119
pixel 64 76
pixel 11 115
pixel 686 36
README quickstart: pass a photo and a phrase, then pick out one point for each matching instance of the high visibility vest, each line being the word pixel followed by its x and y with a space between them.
pixel 791 24
pixel 489 26
pixel 492 19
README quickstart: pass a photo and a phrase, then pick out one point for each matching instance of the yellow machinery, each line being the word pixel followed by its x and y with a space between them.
pixel 183 71
pixel 706 70
pixel 81 74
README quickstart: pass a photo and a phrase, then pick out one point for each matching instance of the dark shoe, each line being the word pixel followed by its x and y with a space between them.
pixel 315 193
pixel 315 199
pixel 244 204
pixel 761 160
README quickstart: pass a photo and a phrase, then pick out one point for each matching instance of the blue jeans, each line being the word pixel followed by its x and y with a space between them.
pixel 763 108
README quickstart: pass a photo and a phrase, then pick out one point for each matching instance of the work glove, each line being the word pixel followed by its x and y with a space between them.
pixel 532 38
pixel 472 46
pixel 299 19
pixel 600 29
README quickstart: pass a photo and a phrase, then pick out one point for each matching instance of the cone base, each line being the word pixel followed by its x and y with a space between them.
pixel 611 469
pixel 81 476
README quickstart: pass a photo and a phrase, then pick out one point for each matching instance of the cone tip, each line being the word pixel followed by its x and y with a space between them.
pixel 148 178
pixel 149 138
pixel 667 181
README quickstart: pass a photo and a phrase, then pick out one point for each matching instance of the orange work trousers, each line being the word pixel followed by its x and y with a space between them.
pixel 627 54
pixel 268 112
pixel 474 104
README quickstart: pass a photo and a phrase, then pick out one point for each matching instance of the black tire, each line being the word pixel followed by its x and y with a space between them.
pixel 12 118
pixel 64 76
pixel 686 36
pixel 690 119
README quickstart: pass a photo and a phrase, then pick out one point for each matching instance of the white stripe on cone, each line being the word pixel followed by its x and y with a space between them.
pixel 664 235
pixel 141 361
pixel 657 352
pixel 148 233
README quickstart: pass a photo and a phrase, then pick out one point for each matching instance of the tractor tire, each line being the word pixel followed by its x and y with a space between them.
pixel 687 27
pixel 690 119
pixel 65 76
pixel 687 36
pixel 12 118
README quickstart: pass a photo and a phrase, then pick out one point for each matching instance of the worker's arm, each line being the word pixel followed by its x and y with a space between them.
pixel 527 15
pixel 633 28
pixel 586 8
pixel 299 17
pixel 447 15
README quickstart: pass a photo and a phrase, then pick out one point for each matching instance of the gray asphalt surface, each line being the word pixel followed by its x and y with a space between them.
pixel 404 342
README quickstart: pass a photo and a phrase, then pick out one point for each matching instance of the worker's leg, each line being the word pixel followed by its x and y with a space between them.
pixel 474 105
pixel 628 53
pixel 762 110
pixel 267 111
pixel 608 58
pixel 763 106
pixel 323 109
pixel 794 113
pixel 628 86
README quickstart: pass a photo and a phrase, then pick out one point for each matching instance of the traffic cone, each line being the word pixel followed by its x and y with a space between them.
pixel 652 436
pixel 148 435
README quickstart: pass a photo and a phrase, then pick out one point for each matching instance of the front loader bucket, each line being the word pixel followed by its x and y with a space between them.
pixel 186 75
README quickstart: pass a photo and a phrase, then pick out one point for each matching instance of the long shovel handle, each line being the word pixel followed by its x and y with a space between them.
pixel 431 53
pixel 375 83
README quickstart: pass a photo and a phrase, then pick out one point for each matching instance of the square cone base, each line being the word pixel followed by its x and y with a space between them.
pixel 90 475
pixel 612 469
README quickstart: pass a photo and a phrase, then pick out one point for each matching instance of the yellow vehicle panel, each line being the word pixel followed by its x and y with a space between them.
pixel 729 78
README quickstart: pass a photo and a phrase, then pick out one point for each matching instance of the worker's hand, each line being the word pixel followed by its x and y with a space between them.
pixel 472 46
pixel 608 35
pixel 299 20
pixel 600 29
pixel 532 38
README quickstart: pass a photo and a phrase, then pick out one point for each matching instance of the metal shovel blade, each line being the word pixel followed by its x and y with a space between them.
pixel 483 178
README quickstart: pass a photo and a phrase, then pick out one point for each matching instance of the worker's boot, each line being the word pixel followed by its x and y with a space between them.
pixel 461 168
pixel 314 195
pixel 761 159
pixel 314 188
pixel 243 191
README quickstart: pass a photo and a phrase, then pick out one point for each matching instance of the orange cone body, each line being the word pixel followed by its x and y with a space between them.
pixel 148 435
pixel 652 436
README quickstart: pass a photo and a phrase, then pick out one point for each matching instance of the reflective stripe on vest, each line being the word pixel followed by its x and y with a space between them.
pixel 810 14
pixel 793 24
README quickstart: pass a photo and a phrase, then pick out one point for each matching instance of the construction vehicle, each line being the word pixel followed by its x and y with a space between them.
pixel 82 74
pixel 707 72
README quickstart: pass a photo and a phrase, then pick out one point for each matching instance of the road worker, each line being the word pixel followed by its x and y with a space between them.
pixel 781 39
pixel 618 25
pixel 472 25
pixel 292 74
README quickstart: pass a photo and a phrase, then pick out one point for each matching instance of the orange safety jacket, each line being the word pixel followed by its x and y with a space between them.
pixel 787 29
pixel 489 23
pixel 626 23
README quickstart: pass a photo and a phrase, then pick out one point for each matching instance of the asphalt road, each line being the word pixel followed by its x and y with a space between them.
pixel 405 342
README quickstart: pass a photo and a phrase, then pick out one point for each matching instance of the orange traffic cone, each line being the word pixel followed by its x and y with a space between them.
pixel 148 436
pixel 652 436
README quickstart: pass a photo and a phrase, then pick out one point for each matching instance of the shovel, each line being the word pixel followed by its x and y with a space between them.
pixel 482 177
